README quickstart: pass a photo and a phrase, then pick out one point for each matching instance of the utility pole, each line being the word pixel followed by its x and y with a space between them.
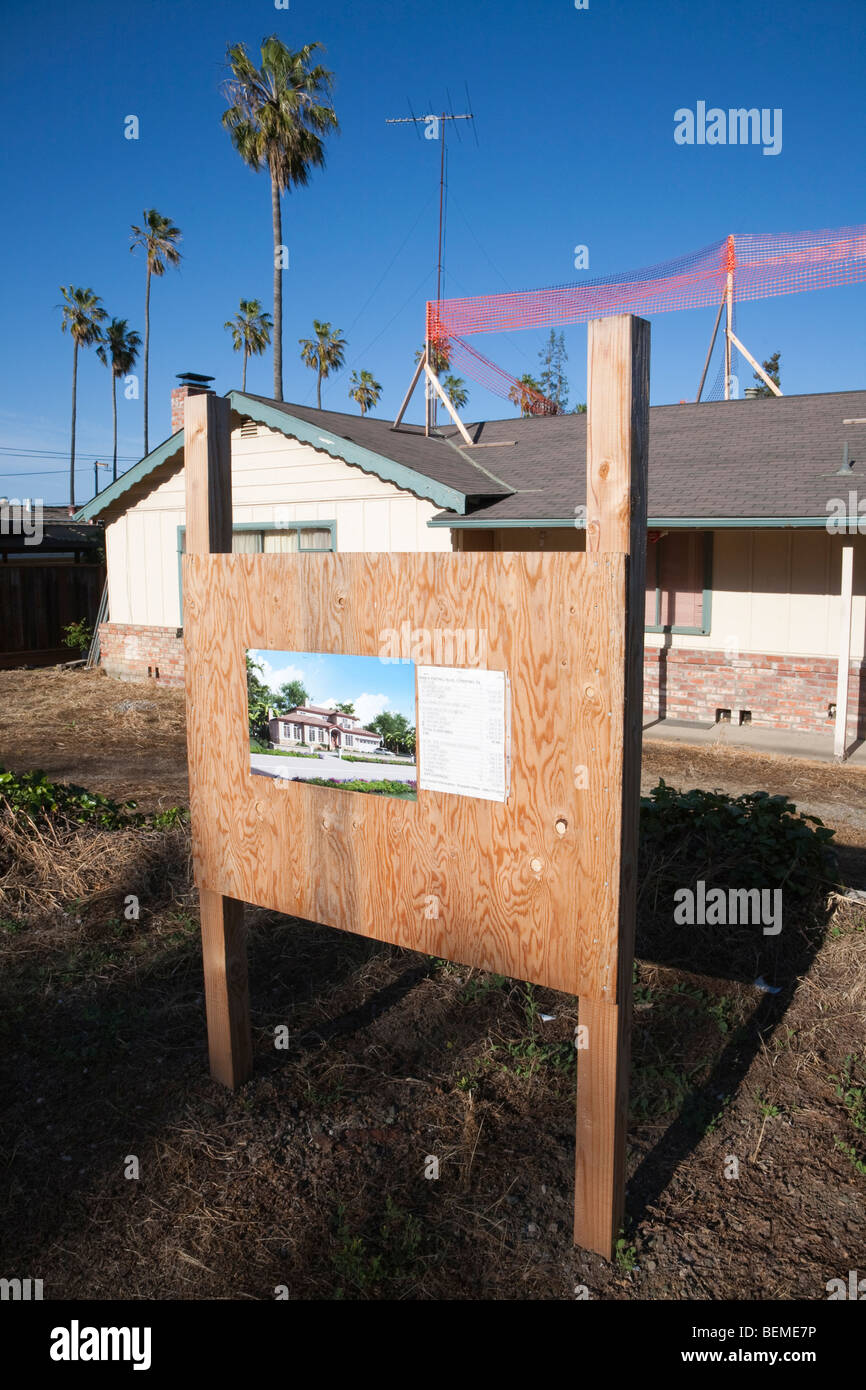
pixel 96 467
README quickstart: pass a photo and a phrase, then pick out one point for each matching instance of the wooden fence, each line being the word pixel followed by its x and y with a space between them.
pixel 38 599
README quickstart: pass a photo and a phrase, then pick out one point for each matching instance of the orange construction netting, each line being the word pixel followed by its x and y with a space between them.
pixel 496 379
pixel 762 266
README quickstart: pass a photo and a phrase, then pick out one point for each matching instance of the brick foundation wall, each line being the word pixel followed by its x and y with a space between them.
pixel 782 692
pixel 135 652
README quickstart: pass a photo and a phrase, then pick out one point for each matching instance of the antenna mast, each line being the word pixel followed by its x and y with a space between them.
pixel 435 126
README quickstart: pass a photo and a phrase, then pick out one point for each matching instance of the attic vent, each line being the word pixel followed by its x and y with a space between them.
pixel 249 429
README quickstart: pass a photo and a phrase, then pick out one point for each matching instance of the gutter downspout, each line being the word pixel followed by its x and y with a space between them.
pixel 840 741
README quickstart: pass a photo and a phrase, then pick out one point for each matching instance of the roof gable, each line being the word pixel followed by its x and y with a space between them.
pixel 429 468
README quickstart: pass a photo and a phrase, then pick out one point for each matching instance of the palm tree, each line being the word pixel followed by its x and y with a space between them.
pixel 365 391
pixel 159 237
pixel 251 332
pixel 276 116
pixel 440 355
pixel 324 353
pixel 118 350
pixel 82 315
pixel 525 394
pixel 455 389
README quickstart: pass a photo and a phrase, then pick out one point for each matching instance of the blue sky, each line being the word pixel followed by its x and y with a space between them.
pixel 373 686
pixel 574 117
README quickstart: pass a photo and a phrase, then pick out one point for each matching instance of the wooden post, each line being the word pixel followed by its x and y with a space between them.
pixel 710 348
pixel 729 318
pixel 840 738
pixel 767 380
pixel 616 492
pixel 208 467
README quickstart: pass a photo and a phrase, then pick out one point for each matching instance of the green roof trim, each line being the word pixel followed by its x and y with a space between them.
pixel 136 474
pixel 345 450
pixel 478 522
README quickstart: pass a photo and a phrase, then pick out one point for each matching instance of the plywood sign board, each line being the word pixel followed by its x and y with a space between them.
pixel 519 853
pixel 520 879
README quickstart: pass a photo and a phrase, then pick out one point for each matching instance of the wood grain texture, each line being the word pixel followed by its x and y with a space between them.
pixel 226 992
pixel 602 1115
pixel 617 467
pixel 208 470
pixel 617 461
pixel 381 866
pixel 224 953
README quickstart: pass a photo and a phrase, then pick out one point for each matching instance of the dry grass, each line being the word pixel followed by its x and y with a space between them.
pixel 312 1175
pixel 55 876
pixel 73 725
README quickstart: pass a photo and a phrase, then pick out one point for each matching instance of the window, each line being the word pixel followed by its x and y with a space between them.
pixel 678 581
pixel 289 537
pixel 349 739
pixel 269 539
pixel 314 538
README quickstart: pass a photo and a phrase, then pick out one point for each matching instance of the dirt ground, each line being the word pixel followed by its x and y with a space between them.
pixel 747 1136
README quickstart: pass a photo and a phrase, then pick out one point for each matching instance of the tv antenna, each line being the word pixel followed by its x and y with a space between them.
pixel 435 125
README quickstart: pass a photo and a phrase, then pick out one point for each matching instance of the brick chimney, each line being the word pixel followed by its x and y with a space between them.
pixel 191 384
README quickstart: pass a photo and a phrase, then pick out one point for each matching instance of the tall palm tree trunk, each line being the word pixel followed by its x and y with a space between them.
pixel 146 349
pixel 319 390
pixel 244 381
pixel 278 290
pixel 114 418
pixel 72 441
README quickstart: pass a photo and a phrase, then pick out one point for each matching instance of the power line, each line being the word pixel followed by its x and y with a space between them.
pixel 373 292
pixel 43 472
pixel 64 453
pixel 407 301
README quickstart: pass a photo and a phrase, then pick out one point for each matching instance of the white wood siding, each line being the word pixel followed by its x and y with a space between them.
pixel 273 479
pixel 774 591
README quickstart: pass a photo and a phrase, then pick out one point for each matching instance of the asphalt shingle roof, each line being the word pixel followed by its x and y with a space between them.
pixel 434 458
pixel 771 459
pixel 766 458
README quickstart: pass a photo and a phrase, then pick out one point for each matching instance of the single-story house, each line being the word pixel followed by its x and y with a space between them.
pixel 751 503
pixel 52 574
pixel 322 729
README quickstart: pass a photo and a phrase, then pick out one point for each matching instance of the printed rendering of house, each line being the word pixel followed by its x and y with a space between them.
pixel 751 505
pixel 322 729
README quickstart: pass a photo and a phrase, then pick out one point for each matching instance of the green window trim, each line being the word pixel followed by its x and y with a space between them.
pixel 264 527
pixel 706 599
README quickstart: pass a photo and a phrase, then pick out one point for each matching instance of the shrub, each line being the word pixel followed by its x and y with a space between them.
pixel 78 635
pixel 755 840
pixel 32 794
pixel 383 787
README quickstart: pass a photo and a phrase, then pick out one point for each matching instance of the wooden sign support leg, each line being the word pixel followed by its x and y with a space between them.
pixel 207 461
pixel 616 464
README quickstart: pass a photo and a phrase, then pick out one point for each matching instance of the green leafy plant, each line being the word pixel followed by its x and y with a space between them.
pixel 32 794
pixel 78 636
pixel 406 790
pixel 625 1255
pixel 851 1090
pixel 851 1154
pixel 754 840
pixel 256 746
